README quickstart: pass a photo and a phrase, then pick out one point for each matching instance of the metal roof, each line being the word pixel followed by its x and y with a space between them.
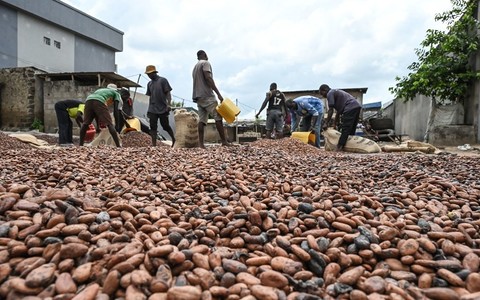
pixel 373 105
pixel 91 78
pixel 362 90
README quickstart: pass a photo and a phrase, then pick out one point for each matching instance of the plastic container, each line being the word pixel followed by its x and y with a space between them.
pixel 134 125
pixel 90 133
pixel 306 137
pixel 228 110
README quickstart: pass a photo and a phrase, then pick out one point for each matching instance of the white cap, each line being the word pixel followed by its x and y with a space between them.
pixel 112 86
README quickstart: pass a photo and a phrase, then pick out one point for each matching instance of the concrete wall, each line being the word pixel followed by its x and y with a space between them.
pixel 452 135
pixel 90 56
pixel 450 128
pixel 411 117
pixel 86 44
pixel 72 19
pixel 8 39
pixel 18 98
pixel 34 51
pixel 54 91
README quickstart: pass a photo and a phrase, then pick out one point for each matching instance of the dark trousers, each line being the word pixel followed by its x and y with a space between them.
pixel 349 125
pixel 65 125
pixel 163 121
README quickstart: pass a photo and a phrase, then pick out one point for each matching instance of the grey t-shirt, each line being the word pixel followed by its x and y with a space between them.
pixel 201 89
pixel 157 89
pixel 341 101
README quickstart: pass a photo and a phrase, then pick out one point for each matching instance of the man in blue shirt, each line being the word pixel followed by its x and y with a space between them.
pixel 311 109
pixel 347 108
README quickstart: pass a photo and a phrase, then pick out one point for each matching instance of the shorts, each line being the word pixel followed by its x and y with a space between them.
pixel 95 109
pixel 206 107
pixel 274 120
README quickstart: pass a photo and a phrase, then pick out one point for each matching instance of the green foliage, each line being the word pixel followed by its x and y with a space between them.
pixel 37 125
pixel 176 104
pixel 443 71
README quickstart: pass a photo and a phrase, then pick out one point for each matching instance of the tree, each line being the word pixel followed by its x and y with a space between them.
pixel 443 71
pixel 176 104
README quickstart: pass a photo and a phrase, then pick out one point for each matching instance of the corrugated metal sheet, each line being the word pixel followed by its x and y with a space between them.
pixel 91 78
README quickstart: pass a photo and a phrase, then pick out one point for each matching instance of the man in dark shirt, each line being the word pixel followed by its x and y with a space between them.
pixel 159 105
pixel 347 108
pixel 276 111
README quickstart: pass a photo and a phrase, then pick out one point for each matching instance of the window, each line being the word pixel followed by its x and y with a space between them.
pixel 46 40
pixel 57 44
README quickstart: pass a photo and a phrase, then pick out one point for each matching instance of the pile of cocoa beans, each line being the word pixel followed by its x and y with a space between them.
pixel 273 219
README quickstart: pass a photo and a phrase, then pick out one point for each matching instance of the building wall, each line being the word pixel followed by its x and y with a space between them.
pixel 450 128
pixel 8 25
pixel 404 112
pixel 90 56
pixel 86 44
pixel 71 19
pixel 34 51
pixel 54 91
pixel 18 98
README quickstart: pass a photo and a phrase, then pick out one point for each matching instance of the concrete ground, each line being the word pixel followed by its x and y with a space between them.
pixel 473 151
pixel 461 150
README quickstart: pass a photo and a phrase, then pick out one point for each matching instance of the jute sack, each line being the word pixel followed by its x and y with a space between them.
pixel 430 147
pixel 30 139
pixel 104 138
pixel 354 143
pixel 186 129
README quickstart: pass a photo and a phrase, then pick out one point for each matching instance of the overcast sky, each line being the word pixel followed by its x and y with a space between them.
pixel 251 43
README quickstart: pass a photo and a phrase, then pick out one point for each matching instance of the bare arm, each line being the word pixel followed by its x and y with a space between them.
pixel 329 117
pixel 211 83
pixel 263 104
pixel 337 120
pixel 169 100
pixel 116 115
pixel 79 119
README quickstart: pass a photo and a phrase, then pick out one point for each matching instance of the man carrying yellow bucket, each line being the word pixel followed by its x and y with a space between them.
pixel 311 109
pixel 204 90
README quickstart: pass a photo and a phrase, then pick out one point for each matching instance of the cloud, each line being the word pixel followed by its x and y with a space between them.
pixel 250 44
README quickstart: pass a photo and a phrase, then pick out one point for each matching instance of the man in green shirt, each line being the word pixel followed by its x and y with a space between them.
pixel 96 107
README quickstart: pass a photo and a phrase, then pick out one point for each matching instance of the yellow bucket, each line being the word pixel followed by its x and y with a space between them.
pixel 134 125
pixel 305 136
pixel 228 110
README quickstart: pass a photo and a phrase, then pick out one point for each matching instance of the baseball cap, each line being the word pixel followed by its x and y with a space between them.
pixel 112 86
